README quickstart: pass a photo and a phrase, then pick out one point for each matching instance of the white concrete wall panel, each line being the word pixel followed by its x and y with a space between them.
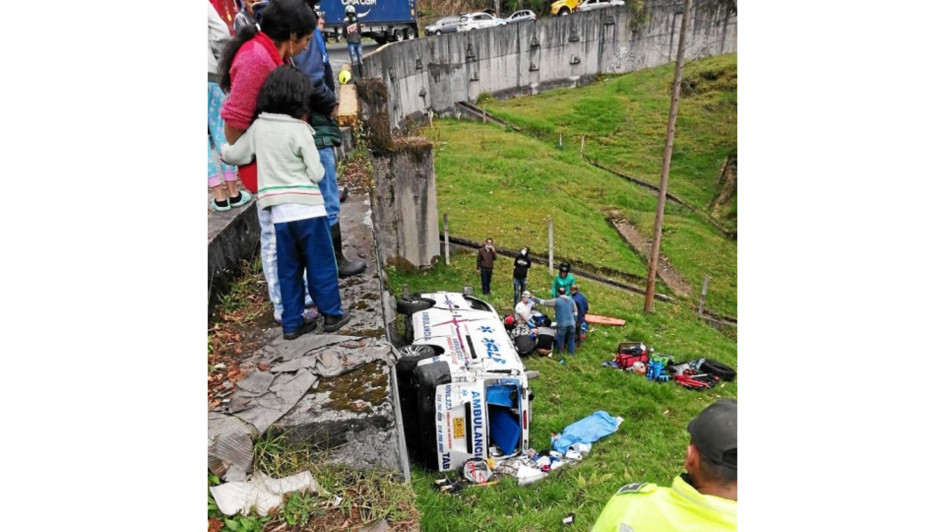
pixel 505 61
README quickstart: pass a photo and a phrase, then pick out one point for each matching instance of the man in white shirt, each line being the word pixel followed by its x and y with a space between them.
pixel 523 309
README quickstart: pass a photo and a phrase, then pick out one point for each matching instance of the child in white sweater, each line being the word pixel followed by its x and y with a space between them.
pixel 289 170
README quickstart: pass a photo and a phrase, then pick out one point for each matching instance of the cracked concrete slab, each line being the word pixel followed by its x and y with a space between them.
pixel 332 391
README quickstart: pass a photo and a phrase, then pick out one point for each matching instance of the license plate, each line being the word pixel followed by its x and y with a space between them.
pixel 459 427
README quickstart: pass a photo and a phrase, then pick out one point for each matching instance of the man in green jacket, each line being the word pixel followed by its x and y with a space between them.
pixel 564 279
pixel 705 498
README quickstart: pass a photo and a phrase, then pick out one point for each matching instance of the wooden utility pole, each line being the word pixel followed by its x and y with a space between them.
pixel 667 157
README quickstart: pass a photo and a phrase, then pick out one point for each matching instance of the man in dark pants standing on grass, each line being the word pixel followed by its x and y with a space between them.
pixel 484 262
pixel 520 273
pixel 582 307
pixel 565 316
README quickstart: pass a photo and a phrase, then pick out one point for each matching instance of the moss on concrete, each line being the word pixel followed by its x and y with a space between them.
pixel 361 390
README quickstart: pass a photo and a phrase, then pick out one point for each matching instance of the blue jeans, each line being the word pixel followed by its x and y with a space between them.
pixel 305 250
pixel 518 286
pixel 329 185
pixel 566 336
pixel 267 247
pixel 354 52
pixel 485 274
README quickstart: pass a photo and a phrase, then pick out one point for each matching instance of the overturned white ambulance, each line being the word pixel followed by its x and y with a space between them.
pixel 462 387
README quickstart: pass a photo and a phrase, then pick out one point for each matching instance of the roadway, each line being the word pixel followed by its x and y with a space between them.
pixel 338 54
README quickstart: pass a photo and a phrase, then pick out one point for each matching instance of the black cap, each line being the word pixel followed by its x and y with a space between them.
pixel 715 433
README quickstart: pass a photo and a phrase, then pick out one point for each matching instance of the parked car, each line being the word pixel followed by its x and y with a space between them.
pixel 461 385
pixel 444 25
pixel 522 16
pixel 478 21
pixel 563 7
pixel 588 5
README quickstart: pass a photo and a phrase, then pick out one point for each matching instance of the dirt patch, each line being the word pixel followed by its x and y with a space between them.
pixel 728 179
pixel 356 173
pixel 642 247
pixel 237 332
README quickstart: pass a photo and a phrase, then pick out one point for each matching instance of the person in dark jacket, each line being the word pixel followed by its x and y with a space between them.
pixel 245 16
pixel 327 135
pixel 582 306
pixel 520 272
pixel 352 34
pixel 484 263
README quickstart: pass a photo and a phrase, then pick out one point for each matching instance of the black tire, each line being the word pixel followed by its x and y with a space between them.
pixel 414 304
pixel 564 12
pixel 411 34
pixel 438 32
pixel 380 40
pixel 398 35
pixel 718 369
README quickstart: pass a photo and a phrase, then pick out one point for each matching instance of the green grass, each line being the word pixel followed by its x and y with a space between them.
pixel 624 118
pixel 506 185
pixel 499 183
pixel 493 181
pixel 648 446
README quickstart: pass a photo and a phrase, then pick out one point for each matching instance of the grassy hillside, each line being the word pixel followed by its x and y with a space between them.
pixel 624 119
pixel 500 183
pixel 649 445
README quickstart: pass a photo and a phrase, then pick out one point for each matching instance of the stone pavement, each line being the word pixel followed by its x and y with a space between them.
pixel 334 391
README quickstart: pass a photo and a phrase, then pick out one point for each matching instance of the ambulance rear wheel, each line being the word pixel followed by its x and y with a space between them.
pixel 414 304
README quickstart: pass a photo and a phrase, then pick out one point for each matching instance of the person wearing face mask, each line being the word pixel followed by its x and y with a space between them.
pixel 520 273
pixel 485 260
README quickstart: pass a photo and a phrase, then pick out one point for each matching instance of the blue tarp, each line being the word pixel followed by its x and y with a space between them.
pixel 587 430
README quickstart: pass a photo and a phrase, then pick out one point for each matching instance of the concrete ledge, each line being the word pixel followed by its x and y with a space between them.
pixel 232 237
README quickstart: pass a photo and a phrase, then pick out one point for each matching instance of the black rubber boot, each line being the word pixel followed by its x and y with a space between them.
pixel 346 268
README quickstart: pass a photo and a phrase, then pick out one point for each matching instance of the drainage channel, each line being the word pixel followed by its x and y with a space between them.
pixel 714 319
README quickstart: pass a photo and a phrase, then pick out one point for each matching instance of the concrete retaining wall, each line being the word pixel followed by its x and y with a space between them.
pixel 434 73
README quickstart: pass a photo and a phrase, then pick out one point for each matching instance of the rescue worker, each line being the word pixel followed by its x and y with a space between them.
pixel 564 279
pixel 565 316
pixel 579 324
pixel 703 499
pixel 523 310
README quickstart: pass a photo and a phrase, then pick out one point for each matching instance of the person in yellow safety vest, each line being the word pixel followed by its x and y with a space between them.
pixel 703 499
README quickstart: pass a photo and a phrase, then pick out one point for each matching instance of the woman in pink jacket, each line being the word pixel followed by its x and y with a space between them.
pixel 285 29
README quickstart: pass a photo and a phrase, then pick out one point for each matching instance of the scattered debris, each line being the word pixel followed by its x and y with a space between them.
pixel 261 492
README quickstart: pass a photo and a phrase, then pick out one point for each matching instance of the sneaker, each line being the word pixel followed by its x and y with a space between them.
pixel 309 314
pixel 218 208
pixel 333 323
pixel 307 327
pixel 245 198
